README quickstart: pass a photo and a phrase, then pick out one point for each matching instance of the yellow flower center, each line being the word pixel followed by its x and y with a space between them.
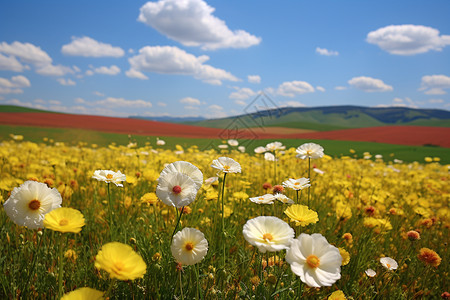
pixel 267 237
pixel 388 265
pixel 189 246
pixel 109 176
pixel 63 222
pixel 34 204
pixel 313 261
pixel 117 267
pixel 226 168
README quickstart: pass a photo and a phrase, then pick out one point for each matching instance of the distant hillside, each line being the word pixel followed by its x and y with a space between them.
pixel 170 119
pixel 334 117
pixel 13 108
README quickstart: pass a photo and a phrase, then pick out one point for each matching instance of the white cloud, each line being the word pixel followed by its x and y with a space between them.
pixel 192 23
pixel 26 52
pixel 54 102
pixel 80 100
pixel 320 88
pixel 326 52
pixel 162 104
pixel 121 102
pixel 399 102
pixel 10 63
pixel 13 85
pixel 97 93
pixel 112 70
pixel 254 78
pixel 190 101
pixel 173 60
pixel 240 102
pixel 242 93
pixel 215 107
pixel 436 101
pixel 292 104
pixel 64 81
pixel 52 70
pixel 293 88
pixel 369 84
pixel 435 84
pixel 88 47
pixel 408 39
pixel 340 88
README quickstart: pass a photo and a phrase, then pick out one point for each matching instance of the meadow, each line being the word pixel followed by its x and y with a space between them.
pixel 371 206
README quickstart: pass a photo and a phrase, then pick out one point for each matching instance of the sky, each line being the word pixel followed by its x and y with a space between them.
pixel 213 58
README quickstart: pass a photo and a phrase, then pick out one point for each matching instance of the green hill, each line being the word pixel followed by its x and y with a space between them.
pixel 21 109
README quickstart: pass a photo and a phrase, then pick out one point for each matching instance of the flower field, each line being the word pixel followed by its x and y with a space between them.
pixel 142 222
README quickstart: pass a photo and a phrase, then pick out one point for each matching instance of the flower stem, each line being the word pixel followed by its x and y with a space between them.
pixel 309 177
pixel 61 267
pixel 223 221
pixel 36 254
pixel 110 288
pixel 181 285
pixel 197 277
pixel 178 222
pixel 110 214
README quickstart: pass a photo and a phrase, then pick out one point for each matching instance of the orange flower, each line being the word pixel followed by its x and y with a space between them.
pixel 429 257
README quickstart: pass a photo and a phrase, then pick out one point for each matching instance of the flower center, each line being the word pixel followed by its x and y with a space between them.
pixel 267 237
pixel 63 222
pixel 313 261
pixel 109 176
pixel 176 189
pixel 34 204
pixel 189 246
pixel 388 265
pixel 226 168
pixel 118 266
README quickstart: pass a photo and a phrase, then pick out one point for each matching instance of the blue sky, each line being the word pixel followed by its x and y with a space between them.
pixel 211 58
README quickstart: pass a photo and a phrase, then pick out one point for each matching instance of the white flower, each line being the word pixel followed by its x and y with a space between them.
pixel 29 203
pixel 264 199
pixel 309 150
pixel 269 156
pixel 318 171
pixel 260 149
pixel 283 198
pixel 176 189
pixel 109 176
pixel 160 142
pixel 371 273
pixel 186 168
pixel 275 146
pixel 314 260
pixel 211 180
pixel 297 184
pixel 226 165
pixel 189 246
pixel 268 233
pixel 233 143
pixel 223 146
pixel 389 263
pixel 241 148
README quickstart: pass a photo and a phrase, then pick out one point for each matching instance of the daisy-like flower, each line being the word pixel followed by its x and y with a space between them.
pixel 186 168
pixel 120 261
pixel 275 146
pixel 83 293
pixel 345 256
pixel 388 263
pixel 264 199
pixel 269 156
pixel 64 219
pixel 260 149
pixel 176 189
pixel 337 295
pixel 211 180
pixel 189 246
pixel 283 198
pixel 309 150
pixel 429 257
pixel 233 142
pixel 29 203
pixel 301 215
pixel 370 273
pixel 226 165
pixel 313 259
pixel 268 233
pixel 109 176
pixel 160 142
pixel 297 184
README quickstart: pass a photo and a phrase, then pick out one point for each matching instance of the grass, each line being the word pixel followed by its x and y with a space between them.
pixel 20 109
pixel 334 148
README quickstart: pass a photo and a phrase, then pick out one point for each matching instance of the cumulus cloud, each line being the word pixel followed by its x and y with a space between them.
pixel 162 104
pixel 10 63
pixel 192 23
pixel 292 104
pixel 400 102
pixel 369 84
pixel 173 60
pixel 64 81
pixel 112 70
pixel 242 93
pixel 408 39
pixel 13 85
pixel 88 47
pixel 254 78
pixel 293 88
pixel 121 102
pixel 190 101
pixel 320 88
pixel 52 70
pixel 435 84
pixel 326 52
pixel 215 107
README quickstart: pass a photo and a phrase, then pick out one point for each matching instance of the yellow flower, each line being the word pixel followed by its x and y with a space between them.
pixel 83 293
pixel 301 215
pixel 64 219
pixel 428 159
pixel 429 257
pixel 149 198
pixel 345 256
pixel 120 261
pixel 337 295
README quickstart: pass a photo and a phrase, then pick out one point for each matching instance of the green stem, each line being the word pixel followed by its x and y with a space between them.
pixel 197 277
pixel 33 266
pixel 275 166
pixel 297 196
pixel 178 222
pixel 309 177
pixel 61 266
pixel 110 288
pixel 223 221
pixel 181 285
pixel 110 214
